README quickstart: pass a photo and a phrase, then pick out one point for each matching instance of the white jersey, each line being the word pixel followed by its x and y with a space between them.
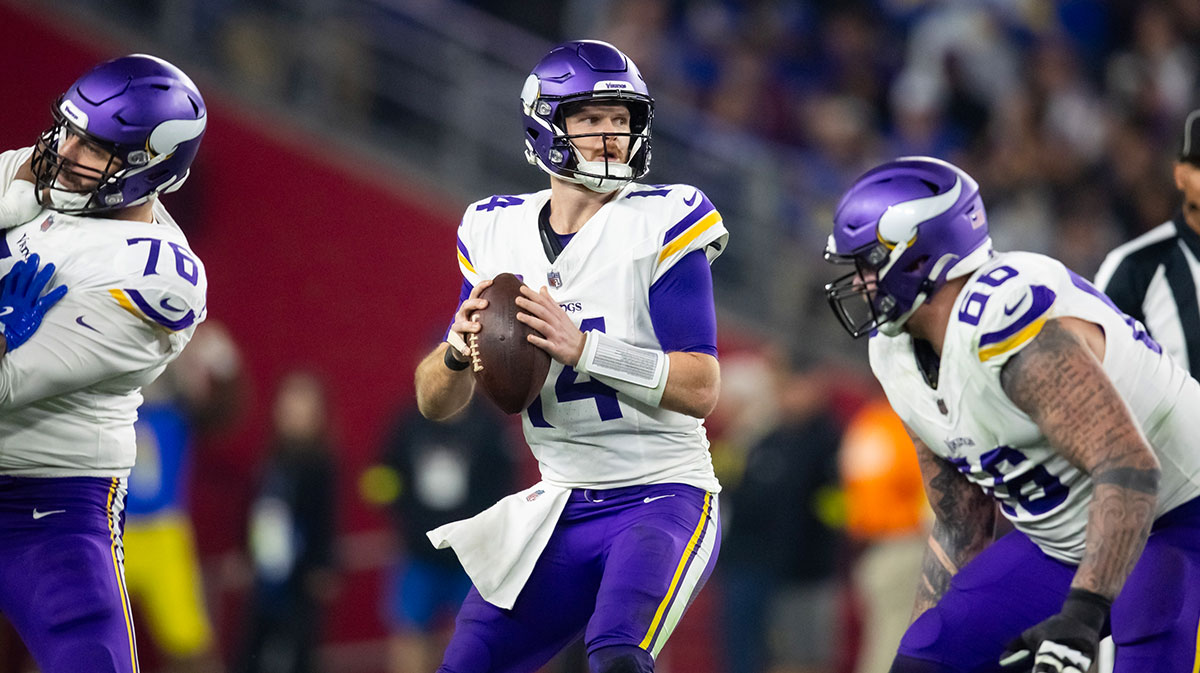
pixel 135 293
pixel 583 434
pixel 969 420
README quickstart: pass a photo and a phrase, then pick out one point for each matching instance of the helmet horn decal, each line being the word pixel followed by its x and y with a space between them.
pixel 174 132
pixel 899 222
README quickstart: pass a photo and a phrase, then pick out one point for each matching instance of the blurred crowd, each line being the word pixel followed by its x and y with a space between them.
pixel 1067 111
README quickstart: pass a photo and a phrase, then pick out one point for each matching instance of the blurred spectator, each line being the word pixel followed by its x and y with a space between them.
pixel 441 472
pixel 887 518
pixel 1155 77
pixel 291 534
pixel 1155 277
pixel 199 393
pixel 780 554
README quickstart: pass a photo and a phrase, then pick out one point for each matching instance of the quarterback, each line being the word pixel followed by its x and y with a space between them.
pixel 83 202
pixel 1023 386
pixel 622 531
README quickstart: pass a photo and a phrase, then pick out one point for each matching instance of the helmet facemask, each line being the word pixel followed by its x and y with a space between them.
pixel 605 175
pixel 69 186
pixel 855 297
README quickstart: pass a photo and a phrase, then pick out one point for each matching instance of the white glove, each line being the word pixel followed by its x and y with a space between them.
pixel 18 205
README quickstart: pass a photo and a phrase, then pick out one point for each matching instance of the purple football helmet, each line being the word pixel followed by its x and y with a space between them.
pixel 144 112
pixel 907 226
pixel 580 72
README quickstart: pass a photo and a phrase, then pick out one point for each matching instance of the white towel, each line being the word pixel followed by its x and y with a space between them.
pixel 499 546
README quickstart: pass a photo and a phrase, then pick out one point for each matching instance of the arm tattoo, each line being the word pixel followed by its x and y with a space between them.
pixel 964 526
pixel 1058 382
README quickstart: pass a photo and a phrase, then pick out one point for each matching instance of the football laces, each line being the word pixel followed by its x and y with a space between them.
pixel 476 361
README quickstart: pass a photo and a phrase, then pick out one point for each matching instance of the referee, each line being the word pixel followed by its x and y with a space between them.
pixel 1155 278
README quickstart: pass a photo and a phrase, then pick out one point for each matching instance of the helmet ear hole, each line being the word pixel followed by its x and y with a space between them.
pixel 917 264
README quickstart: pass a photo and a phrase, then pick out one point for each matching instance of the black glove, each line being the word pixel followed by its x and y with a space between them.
pixel 1064 643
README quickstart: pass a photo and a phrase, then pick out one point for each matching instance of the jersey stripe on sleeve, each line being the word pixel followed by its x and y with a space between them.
pixel 135 303
pixel 702 218
pixel 1022 330
pixel 464 258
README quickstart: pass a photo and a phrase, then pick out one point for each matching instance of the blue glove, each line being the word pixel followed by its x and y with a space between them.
pixel 22 304
pixel 1064 643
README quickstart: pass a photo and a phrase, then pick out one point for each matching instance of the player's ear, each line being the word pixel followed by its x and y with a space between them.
pixel 1181 170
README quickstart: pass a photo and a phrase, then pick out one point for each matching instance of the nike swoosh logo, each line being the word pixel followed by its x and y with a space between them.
pixel 1013 309
pixel 80 321
pixel 658 497
pixel 692 200
pixel 5 311
pixel 38 515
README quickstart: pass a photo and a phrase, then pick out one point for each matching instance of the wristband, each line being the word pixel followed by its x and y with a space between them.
pixel 638 373
pixel 611 357
pixel 453 363
pixel 1088 607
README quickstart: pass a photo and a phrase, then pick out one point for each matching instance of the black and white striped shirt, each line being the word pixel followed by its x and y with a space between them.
pixel 1155 278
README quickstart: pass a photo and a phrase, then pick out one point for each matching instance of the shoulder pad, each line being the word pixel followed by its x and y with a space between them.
pixel 168 290
pixel 1005 309
pixel 691 222
pixel 497 202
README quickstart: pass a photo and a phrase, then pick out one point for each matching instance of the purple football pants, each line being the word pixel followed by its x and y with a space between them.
pixel 621 566
pixel 62 579
pixel 1012 585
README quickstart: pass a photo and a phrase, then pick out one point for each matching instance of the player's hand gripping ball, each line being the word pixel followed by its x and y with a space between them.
pixel 508 368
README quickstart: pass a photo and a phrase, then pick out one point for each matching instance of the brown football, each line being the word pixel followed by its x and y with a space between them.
pixel 508 368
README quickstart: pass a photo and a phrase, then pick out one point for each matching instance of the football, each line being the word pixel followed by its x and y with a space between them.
pixel 508 368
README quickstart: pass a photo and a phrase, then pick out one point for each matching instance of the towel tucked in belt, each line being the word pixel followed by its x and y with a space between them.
pixel 499 546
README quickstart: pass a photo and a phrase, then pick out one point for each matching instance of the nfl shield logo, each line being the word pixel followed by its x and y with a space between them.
pixel 554 278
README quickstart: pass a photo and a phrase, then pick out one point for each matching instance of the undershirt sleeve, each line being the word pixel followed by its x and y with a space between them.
pixel 682 309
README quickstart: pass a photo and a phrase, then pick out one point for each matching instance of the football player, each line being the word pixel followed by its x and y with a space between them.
pixel 1024 386
pixel 71 373
pixel 622 531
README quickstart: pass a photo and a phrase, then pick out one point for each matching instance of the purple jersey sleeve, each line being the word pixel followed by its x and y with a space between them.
pixel 682 309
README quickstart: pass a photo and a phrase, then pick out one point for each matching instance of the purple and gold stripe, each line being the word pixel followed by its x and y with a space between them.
pixel 666 616
pixel 113 509
pixel 1022 330
pixel 702 218
pixel 135 303
pixel 464 257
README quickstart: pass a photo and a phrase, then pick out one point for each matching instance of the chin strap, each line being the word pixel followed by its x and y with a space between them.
pixel 616 175
pixel 57 198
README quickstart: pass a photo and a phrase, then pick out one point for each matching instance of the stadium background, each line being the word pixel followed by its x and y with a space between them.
pixel 346 136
